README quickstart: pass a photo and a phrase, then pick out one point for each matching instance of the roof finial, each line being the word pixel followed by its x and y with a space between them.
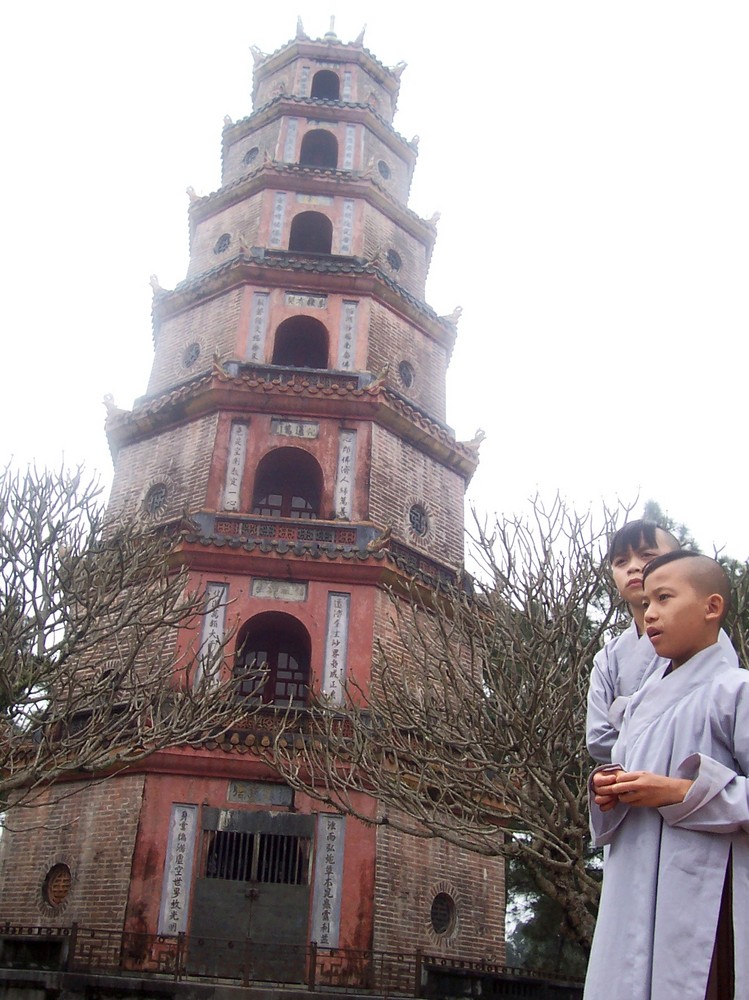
pixel 360 37
pixel 300 32
pixel 330 33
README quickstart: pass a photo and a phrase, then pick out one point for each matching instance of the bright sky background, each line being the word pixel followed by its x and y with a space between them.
pixel 591 164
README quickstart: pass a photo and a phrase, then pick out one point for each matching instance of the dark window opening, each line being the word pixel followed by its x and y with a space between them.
pixel 257 857
pixel 311 232
pixel 326 86
pixel 319 149
pixel 288 483
pixel 301 342
pixel 384 169
pixel 273 660
pixel 394 260
pixel 156 498
pixel 250 155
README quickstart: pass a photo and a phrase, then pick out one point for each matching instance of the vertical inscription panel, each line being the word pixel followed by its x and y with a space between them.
pixel 279 213
pixel 235 465
pixel 258 327
pixel 347 338
pixel 175 889
pixel 347 228
pixel 336 647
pixel 212 634
pixel 344 479
pixel 289 149
pixel 326 916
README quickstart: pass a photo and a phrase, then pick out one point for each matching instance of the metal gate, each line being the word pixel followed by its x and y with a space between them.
pixel 251 904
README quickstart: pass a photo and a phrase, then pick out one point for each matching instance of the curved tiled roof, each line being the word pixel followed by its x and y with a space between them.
pixel 323 102
pixel 288 261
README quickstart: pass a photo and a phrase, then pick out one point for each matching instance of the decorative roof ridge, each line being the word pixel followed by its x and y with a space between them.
pixel 324 102
pixel 316 550
pixel 328 43
pixel 279 167
pixel 304 387
pixel 326 263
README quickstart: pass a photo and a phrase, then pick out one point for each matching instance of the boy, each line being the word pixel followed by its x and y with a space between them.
pixel 674 809
pixel 627 660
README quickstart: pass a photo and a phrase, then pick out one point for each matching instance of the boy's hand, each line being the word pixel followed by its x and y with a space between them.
pixel 642 788
pixel 604 797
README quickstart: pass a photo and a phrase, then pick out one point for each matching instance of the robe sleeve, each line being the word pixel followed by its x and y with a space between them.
pixel 600 734
pixel 717 802
pixel 603 825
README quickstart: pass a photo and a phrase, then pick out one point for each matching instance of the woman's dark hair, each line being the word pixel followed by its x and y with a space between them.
pixel 635 535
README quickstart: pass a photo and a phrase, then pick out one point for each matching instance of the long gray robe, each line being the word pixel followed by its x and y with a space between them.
pixel 620 669
pixel 665 868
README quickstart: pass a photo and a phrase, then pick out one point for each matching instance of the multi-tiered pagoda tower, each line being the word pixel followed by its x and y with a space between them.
pixel 295 411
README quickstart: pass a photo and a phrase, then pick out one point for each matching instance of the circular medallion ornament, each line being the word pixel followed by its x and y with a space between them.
pixel 191 354
pixel 57 885
pixel 250 155
pixel 406 374
pixel 418 520
pixel 222 243
pixel 154 503
pixel 384 169
pixel 394 259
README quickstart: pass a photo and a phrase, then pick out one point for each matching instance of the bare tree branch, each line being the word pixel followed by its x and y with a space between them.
pixel 100 631
pixel 473 729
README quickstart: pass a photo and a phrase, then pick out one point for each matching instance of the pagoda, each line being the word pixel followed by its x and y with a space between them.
pixel 295 421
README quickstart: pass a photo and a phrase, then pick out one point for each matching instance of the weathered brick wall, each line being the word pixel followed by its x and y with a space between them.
pixel 180 458
pixel 382 234
pixel 212 325
pixel 264 139
pixel 411 871
pixel 403 476
pixel 93 833
pixel 398 183
pixel 391 341
pixel 238 220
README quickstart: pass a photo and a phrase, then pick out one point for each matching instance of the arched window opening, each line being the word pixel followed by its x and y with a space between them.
pixel 319 149
pixel 301 342
pixel 326 85
pixel 273 660
pixel 288 483
pixel 311 232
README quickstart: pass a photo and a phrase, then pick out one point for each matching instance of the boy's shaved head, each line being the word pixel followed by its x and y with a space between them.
pixel 706 575
pixel 640 534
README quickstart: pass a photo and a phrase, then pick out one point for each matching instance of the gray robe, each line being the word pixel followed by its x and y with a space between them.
pixel 665 868
pixel 619 669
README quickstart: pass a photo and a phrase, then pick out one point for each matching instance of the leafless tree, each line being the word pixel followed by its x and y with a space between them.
pixel 99 639
pixel 473 729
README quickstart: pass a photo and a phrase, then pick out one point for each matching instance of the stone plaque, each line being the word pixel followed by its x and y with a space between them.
pixel 346 89
pixel 295 428
pixel 279 212
pixel 289 149
pixel 304 82
pixel 279 590
pixel 336 647
pixel 347 227
pixel 348 147
pixel 344 481
pixel 212 634
pixel 175 888
pixel 260 793
pixel 310 300
pixel 347 336
pixel 235 465
pixel 314 199
pixel 326 904
pixel 258 326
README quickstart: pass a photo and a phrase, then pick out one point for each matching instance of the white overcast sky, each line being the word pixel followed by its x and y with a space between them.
pixel 591 164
